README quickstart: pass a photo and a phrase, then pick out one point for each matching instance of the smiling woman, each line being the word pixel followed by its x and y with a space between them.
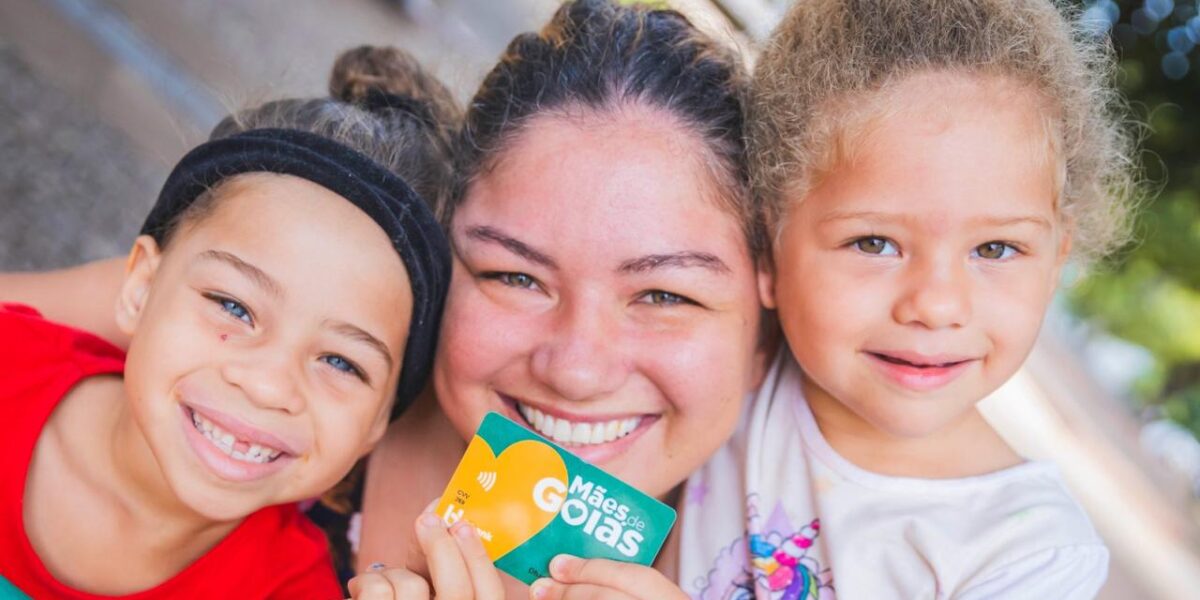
pixel 605 282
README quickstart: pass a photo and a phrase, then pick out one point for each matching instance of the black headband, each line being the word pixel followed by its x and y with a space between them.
pixel 384 196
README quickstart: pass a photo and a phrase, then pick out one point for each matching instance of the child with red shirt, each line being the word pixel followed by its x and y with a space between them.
pixel 281 305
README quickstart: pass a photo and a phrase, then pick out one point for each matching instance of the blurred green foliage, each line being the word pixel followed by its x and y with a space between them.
pixel 1150 294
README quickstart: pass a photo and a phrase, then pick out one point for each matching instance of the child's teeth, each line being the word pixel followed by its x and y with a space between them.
pixel 566 432
pixel 225 441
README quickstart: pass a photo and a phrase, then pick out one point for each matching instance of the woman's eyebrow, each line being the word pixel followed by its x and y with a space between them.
pixel 255 274
pixel 678 260
pixel 491 234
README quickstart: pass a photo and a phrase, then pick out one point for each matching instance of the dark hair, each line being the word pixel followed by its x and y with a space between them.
pixel 382 104
pixel 597 55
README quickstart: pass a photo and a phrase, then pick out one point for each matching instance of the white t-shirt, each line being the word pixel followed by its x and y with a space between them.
pixel 778 514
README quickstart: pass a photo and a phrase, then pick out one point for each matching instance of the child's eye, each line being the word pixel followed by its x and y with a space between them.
pixel 343 365
pixel 875 245
pixel 661 298
pixel 516 280
pixel 995 251
pixel 233 307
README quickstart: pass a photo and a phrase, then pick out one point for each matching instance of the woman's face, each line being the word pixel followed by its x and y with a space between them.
pixel 601 297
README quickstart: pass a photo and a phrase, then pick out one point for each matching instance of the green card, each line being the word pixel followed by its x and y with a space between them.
pixel 9 591
pixel 530 500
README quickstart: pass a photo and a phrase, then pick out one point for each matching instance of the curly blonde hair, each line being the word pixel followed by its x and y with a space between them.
pixel 828 59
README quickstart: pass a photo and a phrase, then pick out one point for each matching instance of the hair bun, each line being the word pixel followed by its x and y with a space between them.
pixel 384 77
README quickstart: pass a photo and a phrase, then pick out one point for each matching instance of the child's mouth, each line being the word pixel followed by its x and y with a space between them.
pixel 919 365
pixel 230 445
pixel 920 373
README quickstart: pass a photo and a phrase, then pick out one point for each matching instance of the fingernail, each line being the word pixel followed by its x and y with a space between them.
pixel 430 520
pixel 540 590
pixel 465 530
pixel 376 566
pixel 432 504
pixel 559 565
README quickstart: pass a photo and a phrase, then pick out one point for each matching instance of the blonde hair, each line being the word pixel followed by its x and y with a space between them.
pixel 830 58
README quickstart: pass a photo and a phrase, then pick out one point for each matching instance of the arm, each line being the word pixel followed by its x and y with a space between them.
pixel 84 297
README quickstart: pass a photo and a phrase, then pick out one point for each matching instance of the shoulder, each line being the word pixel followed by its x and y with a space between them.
pixel 1066 572
pixel 1042 542
pixel 31 338
pixel 299 563
pixel 1033 499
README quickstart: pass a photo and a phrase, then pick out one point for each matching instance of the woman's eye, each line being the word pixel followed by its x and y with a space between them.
pixel 875 245
pixel 343 365
pixel 517 280
pixel 234 308
pixel 661 298
pixel 995 251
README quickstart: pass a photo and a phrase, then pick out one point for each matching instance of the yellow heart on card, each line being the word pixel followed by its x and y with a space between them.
pixel 497 493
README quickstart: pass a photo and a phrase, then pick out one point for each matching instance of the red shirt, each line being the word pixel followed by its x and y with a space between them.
pixel 274 553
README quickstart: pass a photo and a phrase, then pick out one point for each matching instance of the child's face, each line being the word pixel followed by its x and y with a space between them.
pixel 597 284
pixel 266 344
pixel 912 281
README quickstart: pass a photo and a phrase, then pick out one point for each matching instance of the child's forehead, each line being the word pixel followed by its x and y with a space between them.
pixel 295 229
pixel 934 100
pixel 941 155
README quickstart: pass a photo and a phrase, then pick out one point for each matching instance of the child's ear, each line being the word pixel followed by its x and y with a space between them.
pixel 378 428
pixel 1064 248
pixel 766 282
pixel 140 268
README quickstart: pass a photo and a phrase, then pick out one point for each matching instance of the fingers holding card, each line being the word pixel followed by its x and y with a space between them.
pixel 530 500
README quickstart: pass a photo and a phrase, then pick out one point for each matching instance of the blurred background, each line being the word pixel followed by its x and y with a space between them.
pixel 99 98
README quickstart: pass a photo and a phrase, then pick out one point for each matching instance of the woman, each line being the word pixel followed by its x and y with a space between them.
pixel 607 266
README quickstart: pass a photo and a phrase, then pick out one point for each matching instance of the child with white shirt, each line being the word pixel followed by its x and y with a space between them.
pixel 926 168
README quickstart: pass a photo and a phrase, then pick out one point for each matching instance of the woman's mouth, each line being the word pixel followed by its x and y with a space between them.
pixel 577 433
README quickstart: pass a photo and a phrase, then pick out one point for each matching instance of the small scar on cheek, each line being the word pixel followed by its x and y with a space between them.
pixel 224 336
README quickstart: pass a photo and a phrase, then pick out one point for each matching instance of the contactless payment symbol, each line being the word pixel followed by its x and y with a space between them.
pixel 531 500
pixel 487 479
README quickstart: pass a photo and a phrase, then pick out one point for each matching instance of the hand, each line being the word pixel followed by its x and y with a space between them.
pixel 449 553
pixel 452 552
pixel 381 583
pixel 574 578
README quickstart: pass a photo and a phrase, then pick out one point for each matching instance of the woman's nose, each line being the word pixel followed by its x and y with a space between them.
pixel 582 357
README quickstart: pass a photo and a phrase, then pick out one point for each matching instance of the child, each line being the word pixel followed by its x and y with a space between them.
pixel 925 168
pixel 282 305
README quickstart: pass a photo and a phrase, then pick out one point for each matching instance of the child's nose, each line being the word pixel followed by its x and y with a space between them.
pixel 267 381
pixel 936 295
pixel 581 358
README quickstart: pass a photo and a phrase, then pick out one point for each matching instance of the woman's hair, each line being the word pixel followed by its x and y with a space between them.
pixel 599 56
pixel 830 58
pixel 382 104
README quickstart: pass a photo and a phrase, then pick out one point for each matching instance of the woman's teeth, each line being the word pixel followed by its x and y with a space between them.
pixel 230 445
pixel 577 434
